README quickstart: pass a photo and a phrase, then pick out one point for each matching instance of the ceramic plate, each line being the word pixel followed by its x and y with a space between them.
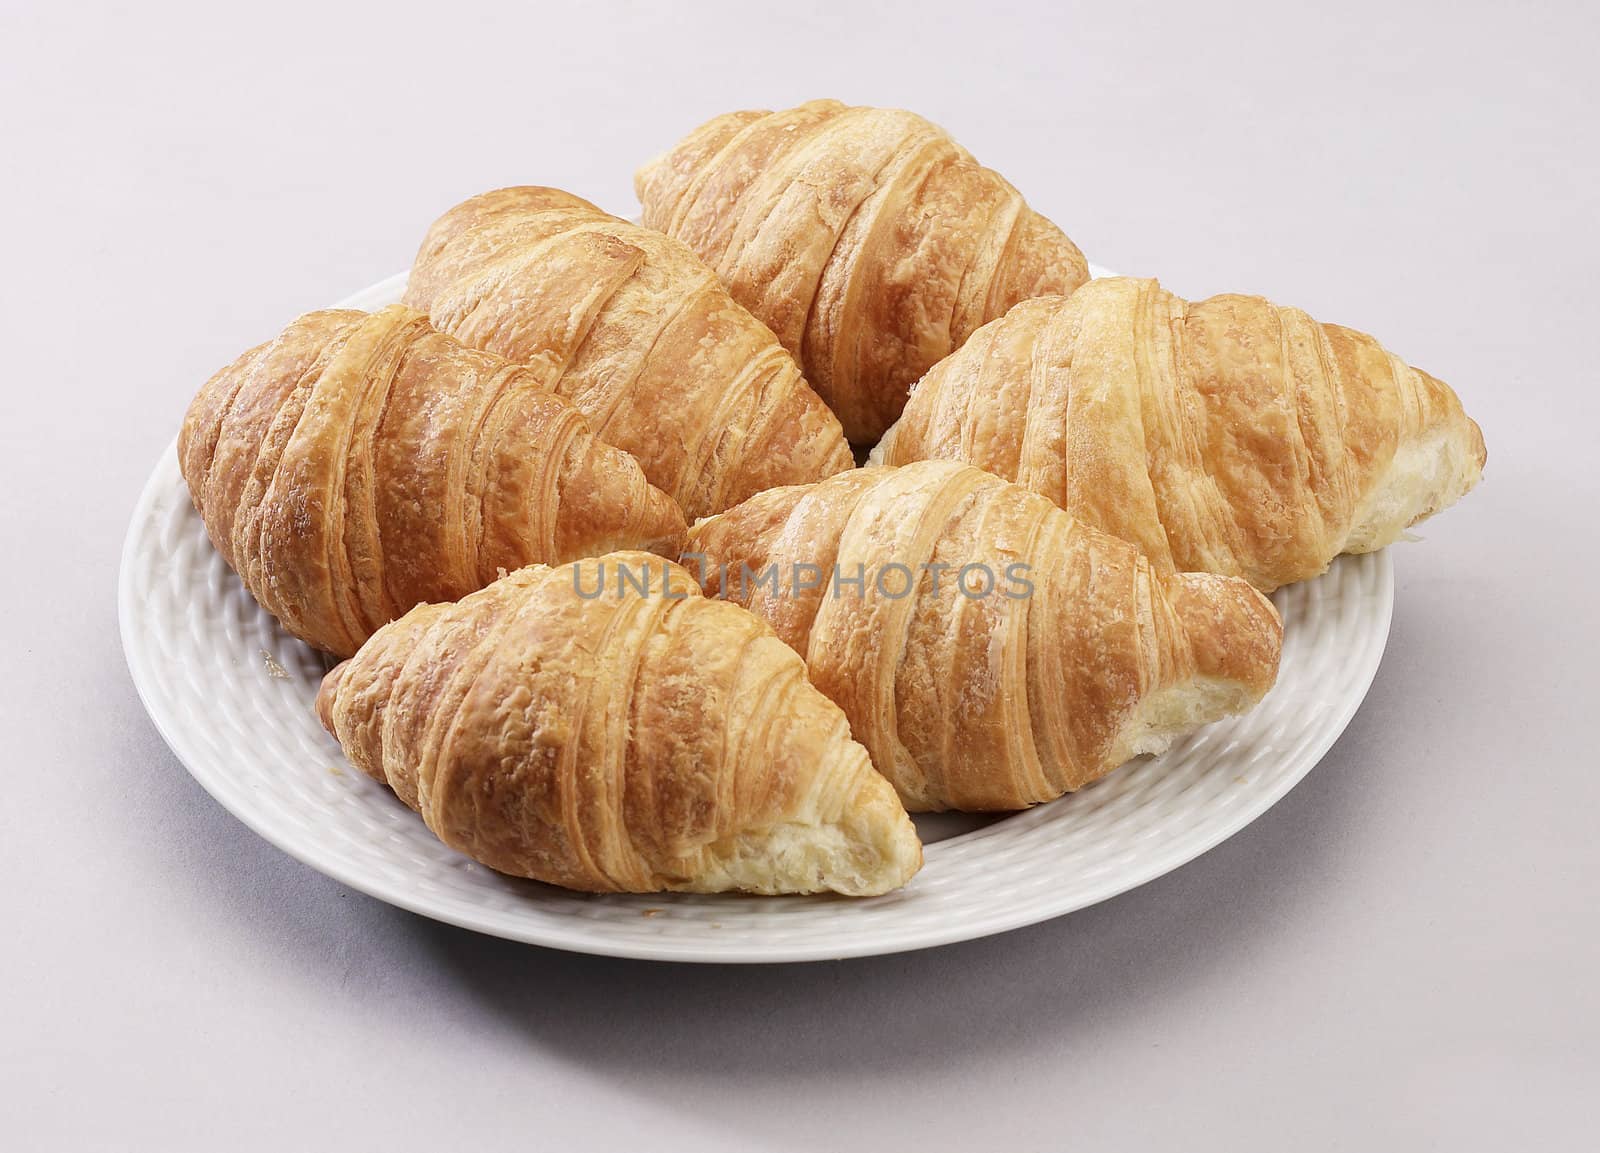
pixel 232 694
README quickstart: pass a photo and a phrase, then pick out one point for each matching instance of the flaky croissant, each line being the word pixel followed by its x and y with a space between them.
pixel 990 651
pixel 866 238
pixel 360 464
pixel 1230 436
pixel 637 333
pixel 605 727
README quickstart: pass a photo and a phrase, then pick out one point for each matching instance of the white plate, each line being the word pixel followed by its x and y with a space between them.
pixel 232 695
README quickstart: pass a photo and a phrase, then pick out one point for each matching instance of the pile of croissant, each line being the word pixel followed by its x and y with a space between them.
pixel 619 608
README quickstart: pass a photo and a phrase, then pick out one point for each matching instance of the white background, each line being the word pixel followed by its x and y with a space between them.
pixel 1403 954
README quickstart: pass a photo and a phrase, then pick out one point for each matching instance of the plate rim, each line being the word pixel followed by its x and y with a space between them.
pixel 217 785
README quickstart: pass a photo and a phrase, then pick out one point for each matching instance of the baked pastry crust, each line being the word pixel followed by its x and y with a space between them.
pixel 1228 435
pixel 997 701
pixel 870 241
pixel 619 742
pixel 359 464
pixel 636 332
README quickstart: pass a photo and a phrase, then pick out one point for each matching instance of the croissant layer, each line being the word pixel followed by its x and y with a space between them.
pixel 628 325
pixel 360 464
pixel 1229 435
pixel 990 651
pixel 866 238
pixel 619 734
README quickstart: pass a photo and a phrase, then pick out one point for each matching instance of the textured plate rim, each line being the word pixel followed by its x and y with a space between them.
pixel 232 795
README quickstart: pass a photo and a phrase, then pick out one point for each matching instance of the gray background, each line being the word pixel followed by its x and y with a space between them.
pixel 1401 954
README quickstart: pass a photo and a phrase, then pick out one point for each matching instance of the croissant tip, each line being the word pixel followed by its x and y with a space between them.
pixel 641 175
pixel 327 694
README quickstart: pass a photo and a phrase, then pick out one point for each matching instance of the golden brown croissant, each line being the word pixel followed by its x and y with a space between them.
pixel 360 464
pixel 635 331
pixel 617 732
pixel 868 240
pixel 990 651
pixel 1230 436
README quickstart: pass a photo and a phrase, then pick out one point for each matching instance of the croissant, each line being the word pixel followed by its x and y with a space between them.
pixel 870 241
pixel 990 651
pixel 1230 436
pixel 360 464
pixel 604 727
pixel 637 333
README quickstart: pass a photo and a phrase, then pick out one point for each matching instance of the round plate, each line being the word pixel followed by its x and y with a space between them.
pixel 232 694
